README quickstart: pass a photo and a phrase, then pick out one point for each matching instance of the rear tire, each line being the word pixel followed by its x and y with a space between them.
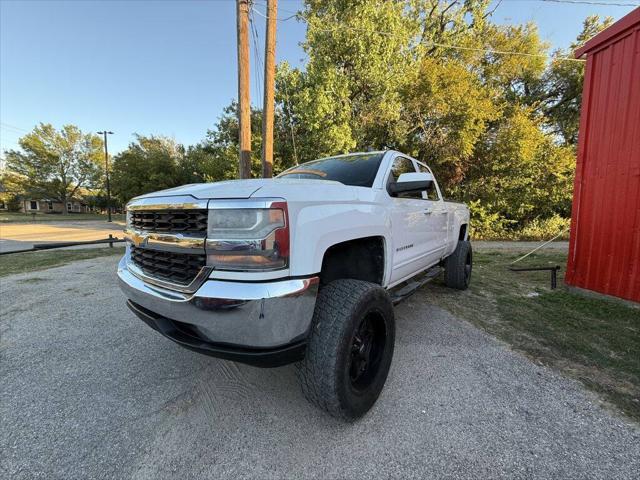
pixel 350 348
pixel 458 266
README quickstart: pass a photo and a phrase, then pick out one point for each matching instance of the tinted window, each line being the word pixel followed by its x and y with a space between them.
pixel 432 193
pixel 403 165
pixel 356 170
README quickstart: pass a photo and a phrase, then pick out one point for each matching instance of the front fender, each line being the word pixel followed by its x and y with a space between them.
pixel 318 227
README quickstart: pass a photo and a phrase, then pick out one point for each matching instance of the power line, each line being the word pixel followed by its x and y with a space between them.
pixel 293 135
pixel 585 2
pixel 258 64
pixel 7 125
pixel 504 52
pixel 460 47
pixel 295 15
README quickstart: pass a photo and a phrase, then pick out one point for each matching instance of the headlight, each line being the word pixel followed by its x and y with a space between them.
pixel 248 238
pixel 240 223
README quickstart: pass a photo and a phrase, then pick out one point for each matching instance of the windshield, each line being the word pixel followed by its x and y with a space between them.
pixel 357 170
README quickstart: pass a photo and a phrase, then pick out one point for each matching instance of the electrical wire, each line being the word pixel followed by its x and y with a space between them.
pixel 460 47
pixel 258 64
pixel 583 2
pixel 13 127
pixel 457 47
pixel 293 135
pixel 295 15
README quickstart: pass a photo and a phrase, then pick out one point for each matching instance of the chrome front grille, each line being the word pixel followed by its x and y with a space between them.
pixel 192 220
pixel 178 268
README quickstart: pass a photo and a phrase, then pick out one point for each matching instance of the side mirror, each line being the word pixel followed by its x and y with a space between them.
pixel 411 182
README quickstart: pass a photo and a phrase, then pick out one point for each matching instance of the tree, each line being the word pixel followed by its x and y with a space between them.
pixel 428 77
pixel 12 187
pixel 57 163
pixel 150 163
pixel 520 173
pixel 562 94
pixel 217 154
pixel 447 110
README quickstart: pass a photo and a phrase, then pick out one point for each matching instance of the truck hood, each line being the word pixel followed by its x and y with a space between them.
pixel 267 187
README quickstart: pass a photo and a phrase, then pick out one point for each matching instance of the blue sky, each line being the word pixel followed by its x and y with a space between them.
pixel 162 67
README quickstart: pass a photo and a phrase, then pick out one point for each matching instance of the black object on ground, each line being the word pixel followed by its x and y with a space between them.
pixel 554 273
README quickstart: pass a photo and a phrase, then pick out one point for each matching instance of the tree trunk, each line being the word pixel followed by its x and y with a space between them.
pixel 64 205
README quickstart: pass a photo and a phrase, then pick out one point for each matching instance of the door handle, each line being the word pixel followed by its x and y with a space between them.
pixel 427 212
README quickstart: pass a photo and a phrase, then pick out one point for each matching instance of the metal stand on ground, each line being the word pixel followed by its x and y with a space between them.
pixel 554 273
pixel 554 270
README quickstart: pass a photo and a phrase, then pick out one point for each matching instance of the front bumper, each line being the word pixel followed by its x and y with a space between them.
pixel 258 317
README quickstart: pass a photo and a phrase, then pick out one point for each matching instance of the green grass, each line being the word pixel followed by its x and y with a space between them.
pixel 13 217
pixel 594 340
pixel 34 261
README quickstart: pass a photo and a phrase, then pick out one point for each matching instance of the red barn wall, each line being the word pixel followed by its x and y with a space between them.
pixel 604 247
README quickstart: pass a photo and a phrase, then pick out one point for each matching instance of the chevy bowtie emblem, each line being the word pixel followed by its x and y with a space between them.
pixel 138 239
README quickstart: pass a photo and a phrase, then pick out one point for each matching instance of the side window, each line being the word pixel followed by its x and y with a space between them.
pixel 403 165
pixel 432 193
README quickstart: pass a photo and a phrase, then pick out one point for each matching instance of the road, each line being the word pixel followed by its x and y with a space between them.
pixel 18 236
pixel 88 391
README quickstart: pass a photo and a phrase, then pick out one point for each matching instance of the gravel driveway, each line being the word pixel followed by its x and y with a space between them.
pixel 88 391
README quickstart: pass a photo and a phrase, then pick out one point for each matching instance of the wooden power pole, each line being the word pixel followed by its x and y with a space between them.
pixel 269 87
pixel 244 105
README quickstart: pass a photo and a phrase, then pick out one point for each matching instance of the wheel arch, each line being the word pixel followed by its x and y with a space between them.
pixel 362 258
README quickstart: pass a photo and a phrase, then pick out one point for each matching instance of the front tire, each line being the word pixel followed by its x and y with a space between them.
pixel 458 266
pixel 350 348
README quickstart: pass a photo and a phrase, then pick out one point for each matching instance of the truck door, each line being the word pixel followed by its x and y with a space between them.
pixel 439 218
pixel 416 235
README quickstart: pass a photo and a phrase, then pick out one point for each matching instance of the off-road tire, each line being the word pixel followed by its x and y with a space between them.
pixel 458 266
pixel 333 356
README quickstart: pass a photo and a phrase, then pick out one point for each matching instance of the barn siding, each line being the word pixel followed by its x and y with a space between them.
pixel 604 249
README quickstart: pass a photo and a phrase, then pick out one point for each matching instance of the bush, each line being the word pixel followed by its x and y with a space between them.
pixel 13 204
pixel 545 229
pixel 486 225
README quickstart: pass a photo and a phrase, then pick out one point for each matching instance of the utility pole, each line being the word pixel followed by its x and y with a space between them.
pixel 106 171
pixel 244 105
pixel 269 87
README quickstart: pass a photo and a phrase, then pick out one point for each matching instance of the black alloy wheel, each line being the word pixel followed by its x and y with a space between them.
pixel 367 350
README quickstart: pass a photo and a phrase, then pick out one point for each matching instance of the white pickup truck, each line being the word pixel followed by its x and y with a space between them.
pixel 301 268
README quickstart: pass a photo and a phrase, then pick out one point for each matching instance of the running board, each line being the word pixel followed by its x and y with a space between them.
pixel 414 284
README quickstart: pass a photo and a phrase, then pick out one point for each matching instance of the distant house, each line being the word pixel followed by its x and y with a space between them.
pixel 44 205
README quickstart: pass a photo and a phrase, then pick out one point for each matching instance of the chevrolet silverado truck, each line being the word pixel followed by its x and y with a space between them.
pixel 304 268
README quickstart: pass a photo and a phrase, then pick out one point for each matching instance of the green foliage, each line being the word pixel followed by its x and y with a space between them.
pixel 544 229
pixel 498 129
pixel 487 225
pixel 520 173
pixel 149 164
pixel 221 144
pixel 57 163
pixel 381 75
pixel 562 94
pixel 448 110
pixel 12 186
